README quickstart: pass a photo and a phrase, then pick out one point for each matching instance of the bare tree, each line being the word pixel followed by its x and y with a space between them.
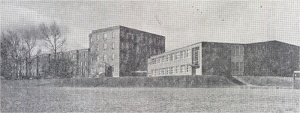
pixel 53 38
pixel 30 37
pixel 12 52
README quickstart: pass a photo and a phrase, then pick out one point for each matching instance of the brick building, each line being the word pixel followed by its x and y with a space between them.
pixel 122 51
pixel 115 51
pixel 272 58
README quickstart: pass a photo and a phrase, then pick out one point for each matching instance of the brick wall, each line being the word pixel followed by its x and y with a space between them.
pixel 271 58
pixel 135 48
pixel 216 58
pixel 104 51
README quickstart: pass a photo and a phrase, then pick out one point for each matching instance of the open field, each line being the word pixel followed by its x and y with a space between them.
pixel 31 98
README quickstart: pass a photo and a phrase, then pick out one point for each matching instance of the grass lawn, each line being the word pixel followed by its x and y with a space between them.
pixel 30 98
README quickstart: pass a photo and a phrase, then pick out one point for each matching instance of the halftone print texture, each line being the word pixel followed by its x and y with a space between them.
pixel 144 56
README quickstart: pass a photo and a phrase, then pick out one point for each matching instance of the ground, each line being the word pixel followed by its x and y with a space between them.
pixel 32 98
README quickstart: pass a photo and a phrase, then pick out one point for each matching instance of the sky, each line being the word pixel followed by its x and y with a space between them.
pixel 181 22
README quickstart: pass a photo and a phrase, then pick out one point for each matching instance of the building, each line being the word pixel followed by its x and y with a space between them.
pixel 74 62
pixel 114 52
pixel 121 51
pixel 272 58
pixel 80 62
pixel 180 61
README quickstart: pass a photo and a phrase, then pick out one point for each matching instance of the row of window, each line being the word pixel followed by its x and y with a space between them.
pixel 237 68
pixel 171 70
pixel 105 47
pixel 83 64
pixel 105 37
pixel 105 57
pixel 237 50
pixel 112 46
pixel 171 57
pixel 85 55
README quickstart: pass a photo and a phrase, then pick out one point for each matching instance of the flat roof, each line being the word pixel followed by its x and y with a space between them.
pixel 273 41
pixel 216 42
pixel 120 26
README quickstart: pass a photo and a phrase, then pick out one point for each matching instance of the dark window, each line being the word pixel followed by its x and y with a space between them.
pixel 195 55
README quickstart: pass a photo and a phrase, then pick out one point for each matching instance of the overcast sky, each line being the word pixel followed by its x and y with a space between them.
pixel 182 23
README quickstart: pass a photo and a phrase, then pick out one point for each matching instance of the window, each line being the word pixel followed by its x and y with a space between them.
pixel 233 67
pixel 167 71
pixel 112 35
pixel 104 36
pixel 152 72
pixel 241 67
pixel 113 56
pixel 158 72
pixel 236 66
pixel 153 61
pixel 162 71
pixel 176 69
pixel 242 50
pixel 167 58
pixel 187 53
pixel 195 55
pixel 104 57
pixel 98 36
pixel 187 68
pixel 181 54
pixel 163 59
pixel 237 51
pixel 113 45
pixel 171 57
pixel 171 70
pixel 104 46
pixel 181 68
pixel 177 55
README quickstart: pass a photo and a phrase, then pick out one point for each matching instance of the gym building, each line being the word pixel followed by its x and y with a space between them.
pixel 271 58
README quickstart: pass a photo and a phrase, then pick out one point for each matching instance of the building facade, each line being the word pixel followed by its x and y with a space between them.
pixel 113 52
pixel 74 63
pixel 272 58
pixel 182 61
pixel 121 51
